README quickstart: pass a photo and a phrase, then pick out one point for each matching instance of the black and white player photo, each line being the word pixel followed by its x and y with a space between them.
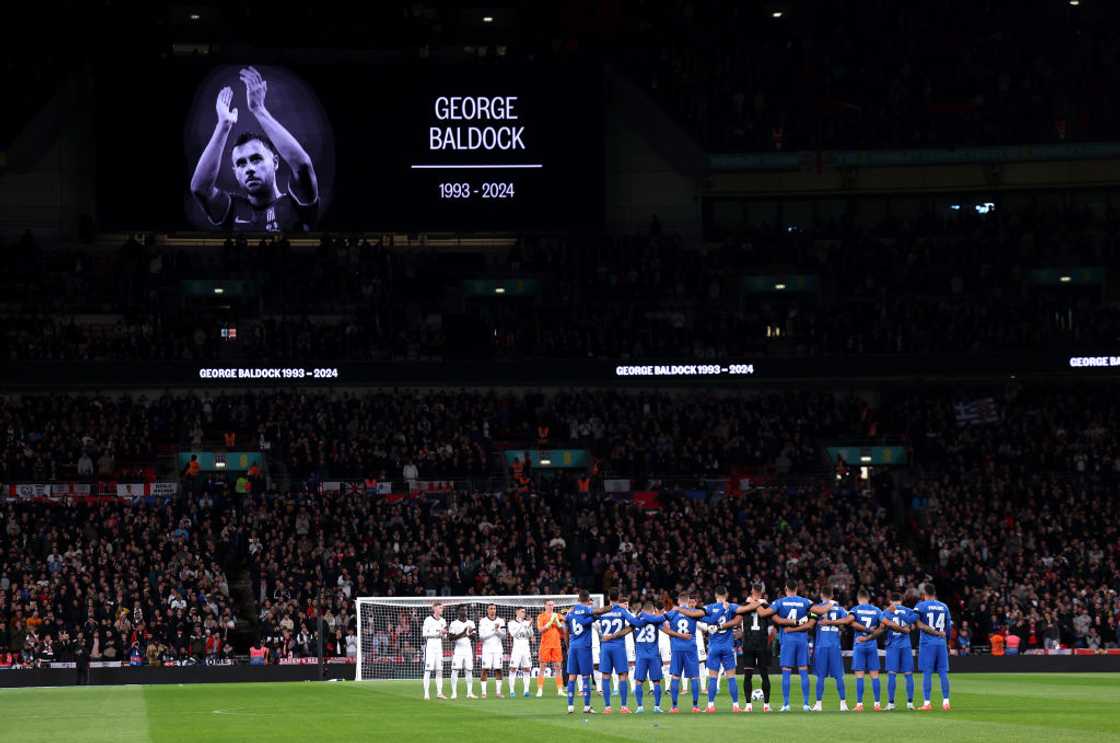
pixel 270 197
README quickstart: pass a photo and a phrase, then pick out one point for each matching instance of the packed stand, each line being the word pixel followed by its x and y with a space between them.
pixel 142 583
pixel 337 548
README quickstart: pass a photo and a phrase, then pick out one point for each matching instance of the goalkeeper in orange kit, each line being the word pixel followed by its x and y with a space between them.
pixel 550 625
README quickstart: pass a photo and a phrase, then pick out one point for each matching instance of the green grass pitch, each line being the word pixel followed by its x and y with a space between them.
pixel 997 707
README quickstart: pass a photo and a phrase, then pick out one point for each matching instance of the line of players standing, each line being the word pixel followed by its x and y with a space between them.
pixel 794 615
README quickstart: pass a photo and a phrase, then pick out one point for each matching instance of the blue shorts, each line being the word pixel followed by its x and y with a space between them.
pixel 648 668
pixel 829 662
pixel 612 659
pixel 900 659
pixel 865 656
pixel 579 661
pixel 684 663
pixel 721 658
pixel 794 653
pixel 933 658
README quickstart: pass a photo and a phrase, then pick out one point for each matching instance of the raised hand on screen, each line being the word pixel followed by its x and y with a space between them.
pixel 226 115
pixel 255 88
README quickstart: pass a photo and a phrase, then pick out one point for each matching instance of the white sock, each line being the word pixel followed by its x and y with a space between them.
pixel 470 682
pixel 454 681
pixel 427 683
pixel 439 681
pixel 512 676
pixel 499 683
pixel 525 682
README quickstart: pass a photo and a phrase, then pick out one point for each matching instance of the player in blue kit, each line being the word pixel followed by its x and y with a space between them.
pixel 791 614
pixel 721 648
pixel 646 652
pixel 826 652
pixel 897 621
pixel 936 624
pixel 865 654
pixel 680 625
pixel 578 622
pixel 612 652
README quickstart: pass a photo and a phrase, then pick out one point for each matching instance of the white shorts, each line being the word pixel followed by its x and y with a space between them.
pixel 521 659
pixel 433 660
pixel 462 661
pixel 492 661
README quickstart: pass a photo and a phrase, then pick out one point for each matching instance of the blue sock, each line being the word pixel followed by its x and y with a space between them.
pixel 805 685
pixel 944 684
pixel 876 688
pixel 927 684
pixel 892 685
pixel 785 686
pixel 695 686
pixel 587 691
pixel 675 691
pixel 711 690
pixel 638 691
pixel 733 689
pixel 571 690
pixel 910 687
pixel 656 695
pixel 859 689
pixel 623 691
pixel 606 690
pixel 840 687
pixel 820 686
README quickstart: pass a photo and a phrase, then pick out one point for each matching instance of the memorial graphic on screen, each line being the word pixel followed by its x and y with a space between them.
pixel 340 146
pixel 258 169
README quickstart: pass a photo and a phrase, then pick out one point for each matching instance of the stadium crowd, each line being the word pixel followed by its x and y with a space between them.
pixel 433 433
pixel 956 281
pixel 143 584
pixel 1011 516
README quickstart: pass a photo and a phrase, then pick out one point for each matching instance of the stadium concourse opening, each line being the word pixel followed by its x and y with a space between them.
pixel 527 371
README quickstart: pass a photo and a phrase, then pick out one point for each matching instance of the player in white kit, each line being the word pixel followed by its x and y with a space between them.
pixel 664 646
pixel 631 659
pixel 462 633
pixel 434 630
pixel 491 630
pixel 521 654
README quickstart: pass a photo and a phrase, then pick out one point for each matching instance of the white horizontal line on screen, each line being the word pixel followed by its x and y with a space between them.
pixel 477 166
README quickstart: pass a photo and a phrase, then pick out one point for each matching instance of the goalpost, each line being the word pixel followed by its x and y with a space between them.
pixel 390 645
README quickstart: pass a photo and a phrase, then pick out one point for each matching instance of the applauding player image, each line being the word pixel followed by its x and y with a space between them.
pixel 262 204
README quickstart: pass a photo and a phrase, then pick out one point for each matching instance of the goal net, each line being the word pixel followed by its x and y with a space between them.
pixel 390 643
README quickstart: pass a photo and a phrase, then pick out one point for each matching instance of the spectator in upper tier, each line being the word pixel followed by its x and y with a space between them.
pixel 85 466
